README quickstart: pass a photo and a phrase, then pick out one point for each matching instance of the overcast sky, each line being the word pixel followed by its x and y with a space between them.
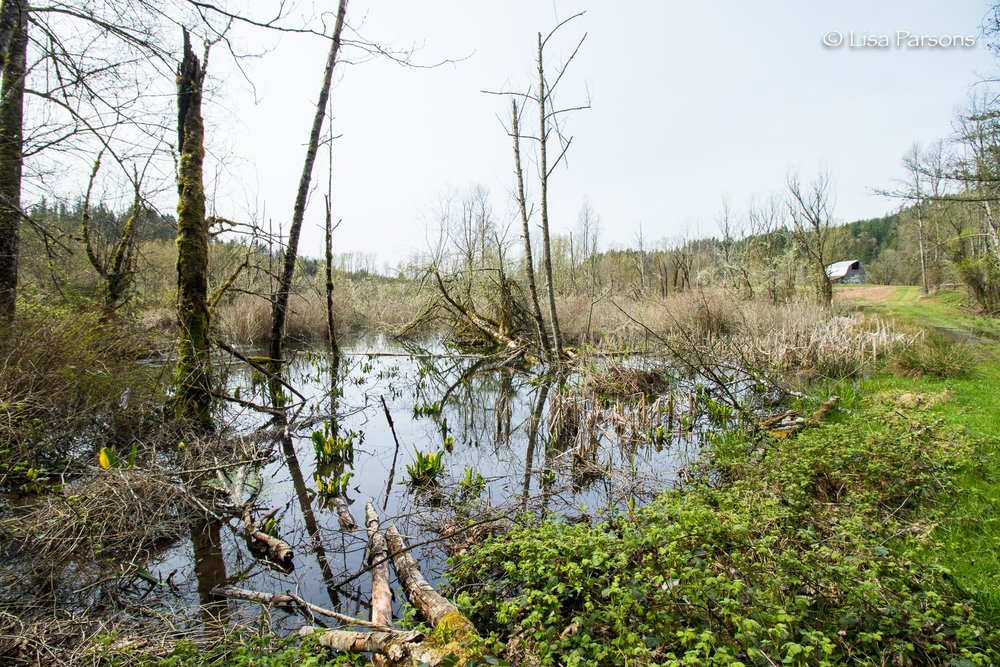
pixel 690 102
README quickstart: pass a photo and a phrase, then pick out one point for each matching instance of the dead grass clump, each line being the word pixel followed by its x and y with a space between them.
pixel 839 346
pixel 705 316
pixel 359 307
pixel 113 521
pixel 618 381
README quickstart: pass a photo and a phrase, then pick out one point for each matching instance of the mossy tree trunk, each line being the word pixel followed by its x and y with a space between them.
pixel 14 42
pixel 279 301
pixel 194 392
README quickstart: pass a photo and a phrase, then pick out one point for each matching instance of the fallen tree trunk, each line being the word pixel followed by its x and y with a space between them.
pixel 435 609
pixel 378 559
pixel 489 328
pixel 394 644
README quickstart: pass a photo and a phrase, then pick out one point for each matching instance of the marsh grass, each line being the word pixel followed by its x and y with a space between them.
pixel 934 355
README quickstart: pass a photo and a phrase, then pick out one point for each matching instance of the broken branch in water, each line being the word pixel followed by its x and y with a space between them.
pixel 277 550
pixel 290 599
pixel 344 516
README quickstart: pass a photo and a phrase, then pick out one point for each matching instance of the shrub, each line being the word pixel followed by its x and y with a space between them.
pixel 70 383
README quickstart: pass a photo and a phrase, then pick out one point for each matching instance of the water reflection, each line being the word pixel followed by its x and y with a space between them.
pixel 538 445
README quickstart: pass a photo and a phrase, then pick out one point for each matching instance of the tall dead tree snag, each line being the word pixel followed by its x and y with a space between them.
pixel 14 45
pixel 543 178
pixel 529 258
pixel 279 300
pixel 550 118
pixel 194 392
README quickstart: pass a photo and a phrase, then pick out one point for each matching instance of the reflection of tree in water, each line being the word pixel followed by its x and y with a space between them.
pixel 305 505
pixel 210 572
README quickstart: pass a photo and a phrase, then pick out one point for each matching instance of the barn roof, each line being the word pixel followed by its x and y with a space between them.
pixel 840 269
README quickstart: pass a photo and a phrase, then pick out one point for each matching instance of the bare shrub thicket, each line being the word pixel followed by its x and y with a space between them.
pixel 66 377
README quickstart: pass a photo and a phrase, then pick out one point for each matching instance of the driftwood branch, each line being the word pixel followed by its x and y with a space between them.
pixel 789 423
pixel 290 600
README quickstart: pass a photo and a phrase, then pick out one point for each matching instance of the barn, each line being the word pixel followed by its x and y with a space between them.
pixel 849 271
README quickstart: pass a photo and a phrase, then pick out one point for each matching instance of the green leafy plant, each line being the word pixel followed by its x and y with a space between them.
pixel 426 469
pixel 472 484
pixel 801 557
pixel 331 448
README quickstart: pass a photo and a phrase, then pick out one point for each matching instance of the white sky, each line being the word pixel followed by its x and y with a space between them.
pixel 691 102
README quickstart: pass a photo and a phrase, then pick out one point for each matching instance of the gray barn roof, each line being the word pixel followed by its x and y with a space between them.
pixel 840 269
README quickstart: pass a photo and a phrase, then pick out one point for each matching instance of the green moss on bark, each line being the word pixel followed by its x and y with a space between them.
pixel 194 391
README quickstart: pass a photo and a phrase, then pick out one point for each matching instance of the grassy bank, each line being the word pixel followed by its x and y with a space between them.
pixel 967 533
pixel 868 539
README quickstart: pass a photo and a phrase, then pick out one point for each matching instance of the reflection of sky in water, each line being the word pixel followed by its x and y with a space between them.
pixel 487 413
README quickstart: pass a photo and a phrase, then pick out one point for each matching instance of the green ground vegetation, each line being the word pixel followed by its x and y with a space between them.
pixel 967 535
pixel 865 540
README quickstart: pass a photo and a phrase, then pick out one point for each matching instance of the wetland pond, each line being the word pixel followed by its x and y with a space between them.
pixel 506 442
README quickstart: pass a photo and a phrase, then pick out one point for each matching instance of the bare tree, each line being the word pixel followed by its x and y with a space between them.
pixel 522 206
pixel 279 300
pixel 766 244
pixel 810 210
pixel 550 125
pixel 918 194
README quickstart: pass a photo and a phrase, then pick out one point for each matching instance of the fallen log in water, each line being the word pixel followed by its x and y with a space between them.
pixel 378 559
pixel 276 549
pixel 344 516
pixel 393 644
pixel 435 609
